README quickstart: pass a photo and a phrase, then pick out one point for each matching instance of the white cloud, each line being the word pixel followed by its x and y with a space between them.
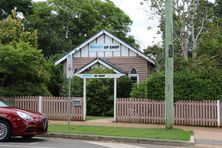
pixel 140 16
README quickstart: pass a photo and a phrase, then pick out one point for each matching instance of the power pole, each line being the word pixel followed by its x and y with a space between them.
pixel 169 107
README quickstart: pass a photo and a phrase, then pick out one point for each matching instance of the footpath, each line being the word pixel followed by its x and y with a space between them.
pixel 204 137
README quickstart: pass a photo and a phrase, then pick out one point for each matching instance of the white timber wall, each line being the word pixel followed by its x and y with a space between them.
pixel 105 40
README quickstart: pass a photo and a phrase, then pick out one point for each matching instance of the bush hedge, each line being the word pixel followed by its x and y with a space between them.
pixel 192 86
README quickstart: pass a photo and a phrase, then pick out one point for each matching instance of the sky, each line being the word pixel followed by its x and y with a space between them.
pixel 141 22
pixel 143 19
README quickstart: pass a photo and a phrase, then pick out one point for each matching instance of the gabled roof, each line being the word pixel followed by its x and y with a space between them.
pixel 110 35
pixel 102 62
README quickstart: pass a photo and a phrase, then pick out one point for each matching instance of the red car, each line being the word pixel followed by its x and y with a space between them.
pixel 18 122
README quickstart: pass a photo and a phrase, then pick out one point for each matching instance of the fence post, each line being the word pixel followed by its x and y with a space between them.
pixel 40 104
pixel 218 113
pixel 115 89
pixel 84 99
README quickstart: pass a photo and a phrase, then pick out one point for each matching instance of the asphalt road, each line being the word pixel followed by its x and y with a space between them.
pixel 37 142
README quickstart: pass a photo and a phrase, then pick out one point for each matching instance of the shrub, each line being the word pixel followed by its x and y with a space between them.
pixel 186 86
pixel 138 90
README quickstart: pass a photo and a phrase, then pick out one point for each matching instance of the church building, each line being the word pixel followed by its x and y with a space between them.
pixel 108 51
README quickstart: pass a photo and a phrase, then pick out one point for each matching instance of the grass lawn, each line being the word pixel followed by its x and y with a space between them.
pixel 96 117
pixel 153 133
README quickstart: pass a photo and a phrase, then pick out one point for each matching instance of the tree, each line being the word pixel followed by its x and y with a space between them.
pixel 210 43
pixel 22 65
pixel 218 8
pixel 22 6
pixel 12 31
pixel 56 83
pixel 190 19
pixel 100 94
pixel 124 87
pixel 22 71
pixel 62 25
pixel 157 54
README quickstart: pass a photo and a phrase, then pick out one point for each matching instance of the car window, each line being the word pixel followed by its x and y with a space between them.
pixel 3 103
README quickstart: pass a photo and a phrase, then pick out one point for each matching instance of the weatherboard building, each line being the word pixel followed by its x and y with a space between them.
pixel 107 51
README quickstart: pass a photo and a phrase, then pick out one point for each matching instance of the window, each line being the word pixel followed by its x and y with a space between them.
pixel 133 75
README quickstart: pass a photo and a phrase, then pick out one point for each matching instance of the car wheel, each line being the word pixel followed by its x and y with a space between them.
pixel 5 130
pixel 27 136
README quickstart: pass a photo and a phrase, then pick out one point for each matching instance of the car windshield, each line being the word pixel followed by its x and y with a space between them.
pixel 3 103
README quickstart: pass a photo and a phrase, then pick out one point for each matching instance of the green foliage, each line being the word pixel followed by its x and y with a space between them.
pixel 57 80
pixel 65 24
pixel 12 31
pixel 124 86
pixel 186 86
pixel 138 90
pixel 99 98
pixel 100 94
pixel 76 87
pixel 157 54
pixel 198 79
pixel 218 8
pixel 22 71
pixel 210 43
pixel 22 6
pixel 155 86
pixel 52 37
pixel 22 65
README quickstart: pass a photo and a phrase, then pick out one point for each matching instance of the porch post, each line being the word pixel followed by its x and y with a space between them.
pixel 115 88
pixel 84 99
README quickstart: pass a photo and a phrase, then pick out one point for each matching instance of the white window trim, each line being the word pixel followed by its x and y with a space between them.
pixel 135 75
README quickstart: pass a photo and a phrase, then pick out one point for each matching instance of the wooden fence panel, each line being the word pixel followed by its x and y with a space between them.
pixel 54 107
pixel 24 102
pixel 187 112
pixel 140 110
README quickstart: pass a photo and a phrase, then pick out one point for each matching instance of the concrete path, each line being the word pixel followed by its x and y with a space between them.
pixel 106 120
pixel 205 137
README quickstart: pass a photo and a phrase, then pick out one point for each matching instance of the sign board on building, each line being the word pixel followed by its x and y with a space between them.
pixel 93 76
pixel 104 47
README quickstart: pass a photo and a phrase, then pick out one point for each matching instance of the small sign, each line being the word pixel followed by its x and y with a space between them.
pixel 69 70
pixel 76 103
pixel 104 47
pixel 170 48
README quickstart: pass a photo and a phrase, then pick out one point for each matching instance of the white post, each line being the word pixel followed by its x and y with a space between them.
pixel 115 88
pixel 69 103
pixel 218 113
pixel 84 99
pixel 40 104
